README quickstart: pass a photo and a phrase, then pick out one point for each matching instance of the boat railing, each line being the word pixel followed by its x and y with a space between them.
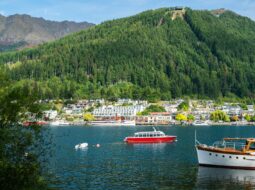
pixel 225 144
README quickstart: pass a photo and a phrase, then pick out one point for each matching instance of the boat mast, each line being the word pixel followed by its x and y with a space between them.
pixel 196 141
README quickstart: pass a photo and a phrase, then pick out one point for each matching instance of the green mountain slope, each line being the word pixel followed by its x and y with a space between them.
pixel 159 53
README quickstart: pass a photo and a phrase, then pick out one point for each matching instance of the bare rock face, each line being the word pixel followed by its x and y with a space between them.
pixel 19 30
pixel 218 12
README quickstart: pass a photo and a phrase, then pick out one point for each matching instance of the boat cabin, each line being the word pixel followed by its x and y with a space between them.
pixel 232 145
pixel 149 134
pixel 246 145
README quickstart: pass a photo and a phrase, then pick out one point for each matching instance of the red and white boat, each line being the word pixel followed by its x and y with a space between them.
pixel 30 123
pixel 150 137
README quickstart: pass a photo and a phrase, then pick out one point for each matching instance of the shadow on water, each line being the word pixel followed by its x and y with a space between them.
pixel 215 178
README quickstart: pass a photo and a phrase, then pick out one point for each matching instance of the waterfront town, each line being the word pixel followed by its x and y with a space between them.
pixel 127 112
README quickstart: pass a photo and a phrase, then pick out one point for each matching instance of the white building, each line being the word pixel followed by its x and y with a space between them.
pixel 172 108
pixel 120 111
pixel 232 110
pixel 50 114
pixel 131 102
pixel 155 118
pixel 250 108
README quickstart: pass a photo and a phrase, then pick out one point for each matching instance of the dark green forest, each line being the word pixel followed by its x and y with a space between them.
pixel 153 55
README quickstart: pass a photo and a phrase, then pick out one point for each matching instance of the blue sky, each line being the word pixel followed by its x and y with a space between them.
pixel 96 11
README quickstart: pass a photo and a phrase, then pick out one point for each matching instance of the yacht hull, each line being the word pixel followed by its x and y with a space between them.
pixel 226 160
pixel 165 139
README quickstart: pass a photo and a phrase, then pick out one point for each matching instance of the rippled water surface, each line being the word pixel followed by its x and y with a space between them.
pixel 116 165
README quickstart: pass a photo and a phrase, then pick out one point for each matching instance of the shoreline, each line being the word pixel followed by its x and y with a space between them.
pixel 237 124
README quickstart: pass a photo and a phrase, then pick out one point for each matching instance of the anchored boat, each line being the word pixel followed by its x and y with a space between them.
pixel 236 153
pixel 31 123
pixel 59 123
pixel 150 137
pixel 200 123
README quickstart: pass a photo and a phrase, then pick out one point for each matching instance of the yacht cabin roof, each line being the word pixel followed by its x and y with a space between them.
pixel 150 132
pixel 238 139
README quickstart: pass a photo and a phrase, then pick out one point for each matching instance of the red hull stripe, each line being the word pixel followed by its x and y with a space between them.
pixel 150 140
pixel 231 167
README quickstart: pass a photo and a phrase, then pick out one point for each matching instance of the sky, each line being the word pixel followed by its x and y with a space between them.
pixel 97 11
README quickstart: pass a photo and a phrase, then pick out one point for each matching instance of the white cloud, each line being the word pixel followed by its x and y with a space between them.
pixel 2 13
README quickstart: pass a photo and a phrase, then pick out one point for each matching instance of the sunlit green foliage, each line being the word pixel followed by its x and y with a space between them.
pixel 247 117
pixel 181 117
pixel 219 115
pixel 234 118
pixel 20 147
pixel 184 106
pixel 152 108
pixel 88 117
pixel 190 117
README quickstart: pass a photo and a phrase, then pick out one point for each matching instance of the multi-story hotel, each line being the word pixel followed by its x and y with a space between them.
pixel 127 112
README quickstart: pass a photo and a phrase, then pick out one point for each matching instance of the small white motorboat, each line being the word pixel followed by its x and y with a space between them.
pixel 59 123
pixel 81 146
pixel 200 123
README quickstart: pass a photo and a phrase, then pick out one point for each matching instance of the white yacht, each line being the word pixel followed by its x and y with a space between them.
pixel 236 153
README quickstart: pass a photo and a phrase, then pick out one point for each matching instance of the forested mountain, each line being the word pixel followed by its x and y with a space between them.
pixel 23 30
pixel 159 53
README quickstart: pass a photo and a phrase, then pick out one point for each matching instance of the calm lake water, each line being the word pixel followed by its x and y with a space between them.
pixel 116 165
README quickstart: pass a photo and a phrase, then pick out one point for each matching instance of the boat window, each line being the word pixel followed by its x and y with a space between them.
pixel 230 156
pixel 244 158
pixel 252 146
pixel 151 135
pixel 216 154
pixel 210 154
pixel 223 156
pixel 237 157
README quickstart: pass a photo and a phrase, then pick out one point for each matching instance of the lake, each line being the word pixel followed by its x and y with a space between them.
pixel 116 165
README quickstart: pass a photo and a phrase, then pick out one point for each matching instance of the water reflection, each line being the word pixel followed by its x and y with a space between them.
pixel 155 146
pixel 213 177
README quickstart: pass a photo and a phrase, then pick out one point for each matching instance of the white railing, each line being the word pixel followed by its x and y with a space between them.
pixel 225 144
